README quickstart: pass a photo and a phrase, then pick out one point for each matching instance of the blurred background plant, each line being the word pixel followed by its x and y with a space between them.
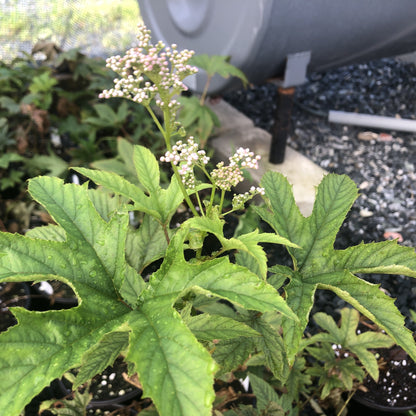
pixel 51 117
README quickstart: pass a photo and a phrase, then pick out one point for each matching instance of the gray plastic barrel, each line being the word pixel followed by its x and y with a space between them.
pixel 258 35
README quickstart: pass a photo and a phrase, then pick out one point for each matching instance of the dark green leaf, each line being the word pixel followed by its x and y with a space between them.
pixel 209 327
pixel 100 356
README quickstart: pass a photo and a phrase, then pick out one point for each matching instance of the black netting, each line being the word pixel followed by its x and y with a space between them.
pixel 99 28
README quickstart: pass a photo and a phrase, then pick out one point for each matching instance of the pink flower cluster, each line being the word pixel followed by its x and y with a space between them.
pixel 244 158
pixel 149 71
pixel 240 199
pixel 225 177
pixel 186 156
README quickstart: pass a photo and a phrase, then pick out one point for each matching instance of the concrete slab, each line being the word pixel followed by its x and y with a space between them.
pixel 237 130
pixel 408 58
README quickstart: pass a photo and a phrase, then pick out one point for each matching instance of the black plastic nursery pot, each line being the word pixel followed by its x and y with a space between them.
pixel 118 409
pixel 110 388
pixel 110 392
pixel 395 391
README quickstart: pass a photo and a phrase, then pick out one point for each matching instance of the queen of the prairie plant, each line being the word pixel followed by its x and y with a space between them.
pixel 170 326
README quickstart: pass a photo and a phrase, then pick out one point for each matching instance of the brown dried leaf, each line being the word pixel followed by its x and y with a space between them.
pixel 22 141
pixel 66 107
pixel 41 120
pixel 38 116
pixel 45 217
pixel 133 380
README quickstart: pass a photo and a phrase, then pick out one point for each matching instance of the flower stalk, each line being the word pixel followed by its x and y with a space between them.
pixel 152 75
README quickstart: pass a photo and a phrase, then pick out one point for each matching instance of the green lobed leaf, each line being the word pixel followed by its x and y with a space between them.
pixel 217 277
pixel 146 244
pixel 334 198
pixel 245 243
pixel 208 327
pixel 100 356
pixel 121 186
pixel 272 346
pixel 284 215
pixel 160 203
pixel 264 392
pixel 346 335
pixel 147 168
pixel 76 406
pixel 106 116
pixel 334 372
pixel 368 299
pixel 385 257
pixel 231 353
pixel 49 232
pixel 315 234
pixel 101 242
pixel 44 345
pixel 175 370
pixel 217 64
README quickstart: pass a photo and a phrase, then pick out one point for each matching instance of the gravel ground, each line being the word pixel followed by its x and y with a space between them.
pixel 382 163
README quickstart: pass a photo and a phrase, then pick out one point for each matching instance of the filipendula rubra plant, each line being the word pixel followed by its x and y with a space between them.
pixel 148 319
pixel 93 249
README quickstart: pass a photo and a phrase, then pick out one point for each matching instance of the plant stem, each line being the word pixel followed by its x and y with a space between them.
pixel 205 92
pixel 346 402
pixel 214 188
pixel 156 121
pixel 221 201
pixel 201 208
pixel 165 230
pixel 228 212
pixel 183 189
pixel 167 136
